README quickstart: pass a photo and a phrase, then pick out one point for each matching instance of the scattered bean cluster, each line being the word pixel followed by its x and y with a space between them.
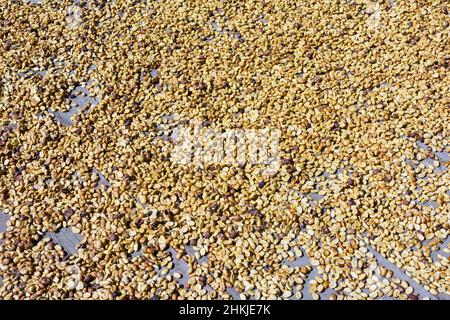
pixel 366 85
